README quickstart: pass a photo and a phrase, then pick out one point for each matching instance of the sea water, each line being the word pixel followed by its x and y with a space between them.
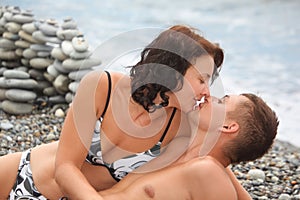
pixel 261 40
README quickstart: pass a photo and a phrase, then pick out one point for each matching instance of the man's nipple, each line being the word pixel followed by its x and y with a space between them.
pixel 149 191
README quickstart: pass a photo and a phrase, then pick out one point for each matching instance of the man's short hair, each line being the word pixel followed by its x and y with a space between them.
pixel 258 128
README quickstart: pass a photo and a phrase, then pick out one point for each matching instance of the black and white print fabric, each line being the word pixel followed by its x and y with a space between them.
pixel 120 168
pixel 24 187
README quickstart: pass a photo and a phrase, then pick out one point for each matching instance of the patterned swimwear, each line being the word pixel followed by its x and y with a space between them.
pixel 120 168
pixel 24 187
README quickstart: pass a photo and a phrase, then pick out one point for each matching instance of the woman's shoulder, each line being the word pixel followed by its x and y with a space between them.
pixel 101 77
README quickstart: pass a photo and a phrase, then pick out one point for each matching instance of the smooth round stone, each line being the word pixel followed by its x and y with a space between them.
pixel 20 95
pixel 296 197
pixel 16 74
pixel 2 70
pixel 22 68
pixel 36 74
pixel 18 83
pixel 50 91
pixel 58 54
pixel 43 84
pixel 73 65
pixel 7 16
pixel 10 36
pixel 7 44
pixel 13 27
pixel 10 64
pixel 29 28
pixel 22 44
pixel 5 125
pixel 67 47
pixel 37 23
pixel 16 108
pixel 2 30
pixel 41 47
pixel 2 22
pixel 28 37
pixel 73 86
pixel 58 66
pixel 8 55
pixel 40 63
pixel 80 55
pixel 27 13
pixel 256 174
pixel 25 61
pixel 38 35
pixel 29 53
pixel 2 94
pixel 284 197
pixel 67 34
pixel 80 44
pixel 48 29
pixel 52 71
pixel 69 97
pixel 57 99
pixel 69 23
pixel 78 75
pixel 49 77
pixel 59 113
pixel 43 54
pixel 19 52
pixel 61 84
pixel 19 18
pixel 51 21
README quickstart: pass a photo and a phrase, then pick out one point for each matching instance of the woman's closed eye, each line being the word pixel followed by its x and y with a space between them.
pixel 202 81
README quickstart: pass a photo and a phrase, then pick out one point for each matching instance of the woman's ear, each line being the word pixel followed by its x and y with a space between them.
pixel 231 127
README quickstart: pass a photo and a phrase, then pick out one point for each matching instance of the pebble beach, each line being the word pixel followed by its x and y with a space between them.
pixel 274 176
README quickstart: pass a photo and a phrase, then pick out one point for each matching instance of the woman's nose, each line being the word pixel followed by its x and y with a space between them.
pixel 205 91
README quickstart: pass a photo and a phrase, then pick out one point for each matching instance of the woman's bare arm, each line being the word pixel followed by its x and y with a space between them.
pixel 76 136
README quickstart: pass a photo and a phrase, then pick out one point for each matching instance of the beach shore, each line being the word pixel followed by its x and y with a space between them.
pixel 274 176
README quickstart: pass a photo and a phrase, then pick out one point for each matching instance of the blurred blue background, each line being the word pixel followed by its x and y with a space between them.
pixel 260 39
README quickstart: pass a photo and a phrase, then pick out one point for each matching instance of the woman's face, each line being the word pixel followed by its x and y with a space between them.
pixel 196 83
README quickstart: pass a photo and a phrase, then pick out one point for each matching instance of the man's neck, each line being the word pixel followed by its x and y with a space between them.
pixel 195 148
pixel 220 158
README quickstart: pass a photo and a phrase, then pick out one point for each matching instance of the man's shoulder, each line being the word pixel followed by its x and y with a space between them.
pixel 206 163
pixel 209 176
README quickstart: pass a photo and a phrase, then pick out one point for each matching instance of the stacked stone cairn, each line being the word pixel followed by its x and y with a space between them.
pixel 41 62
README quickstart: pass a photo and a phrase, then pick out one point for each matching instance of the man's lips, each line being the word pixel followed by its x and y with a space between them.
pixel 199 103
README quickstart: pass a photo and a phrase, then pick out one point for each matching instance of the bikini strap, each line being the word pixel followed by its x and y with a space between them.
pixel 108 95
pixel 168 125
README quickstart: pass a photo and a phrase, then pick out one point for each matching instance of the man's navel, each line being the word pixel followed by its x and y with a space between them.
pixel 149 190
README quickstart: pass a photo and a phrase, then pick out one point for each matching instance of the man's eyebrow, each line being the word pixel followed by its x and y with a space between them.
pixel 225 96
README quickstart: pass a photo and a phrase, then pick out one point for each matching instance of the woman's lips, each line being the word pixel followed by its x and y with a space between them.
pixel 199 103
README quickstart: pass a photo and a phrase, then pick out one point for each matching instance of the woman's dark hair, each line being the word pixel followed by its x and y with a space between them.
pixel 165 61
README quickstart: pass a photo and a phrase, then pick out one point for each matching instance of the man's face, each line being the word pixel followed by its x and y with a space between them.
pixel 211 118
pixel 215 109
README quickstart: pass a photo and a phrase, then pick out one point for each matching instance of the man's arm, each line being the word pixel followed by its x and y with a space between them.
pixel 240 190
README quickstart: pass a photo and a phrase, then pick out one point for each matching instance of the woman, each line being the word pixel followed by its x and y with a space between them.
pixel 145 109
pixel 243 114
pixel 141 109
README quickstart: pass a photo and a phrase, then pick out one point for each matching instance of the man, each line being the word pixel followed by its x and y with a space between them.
pixel 243 132
pixel 247 133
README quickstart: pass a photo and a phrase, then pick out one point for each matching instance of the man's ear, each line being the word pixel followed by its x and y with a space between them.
pixel 231 127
